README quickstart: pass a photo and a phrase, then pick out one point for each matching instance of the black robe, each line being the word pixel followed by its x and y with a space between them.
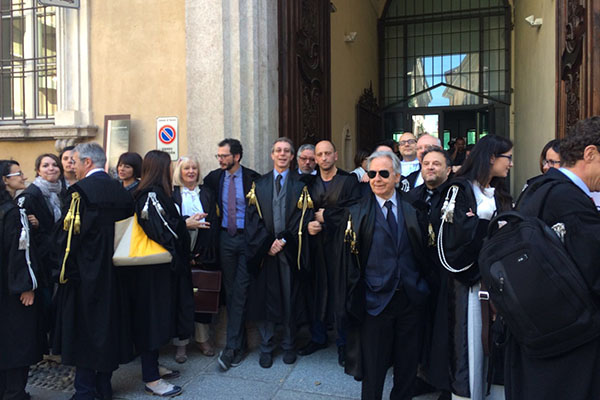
pixel 436 348
pixel 34 203
pixel 265 294
pixel 326 293
pixel 462 243
pixel 354 257
pixel 22 339
pixel 159 298
pixel 576 374
pixel 87 330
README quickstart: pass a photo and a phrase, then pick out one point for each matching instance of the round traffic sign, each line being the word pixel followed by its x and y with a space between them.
pixel 166 134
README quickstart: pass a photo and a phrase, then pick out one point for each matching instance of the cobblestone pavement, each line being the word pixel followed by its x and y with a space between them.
pixel 314 377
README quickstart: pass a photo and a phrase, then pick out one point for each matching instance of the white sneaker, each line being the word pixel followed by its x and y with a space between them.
pixel 163 389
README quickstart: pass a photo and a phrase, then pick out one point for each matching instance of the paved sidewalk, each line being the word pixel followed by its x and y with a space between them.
pixel 315 377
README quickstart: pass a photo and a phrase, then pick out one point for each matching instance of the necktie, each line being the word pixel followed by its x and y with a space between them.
pixel 391 220
pixel 231 208
pixel 278 183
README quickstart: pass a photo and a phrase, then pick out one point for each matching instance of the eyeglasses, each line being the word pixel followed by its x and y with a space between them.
pixel 20 173
pixel 551 163
pixel 305 159
pixel 505 156
pixel 221 156
pixel 384 173
pixel 405 142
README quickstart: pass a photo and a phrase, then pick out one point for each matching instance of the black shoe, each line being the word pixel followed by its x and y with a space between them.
pixel 289 357
pixel 342 355
pixel 444 395
pixel 225 359
pixel 421 387
pixel 266 360
pixel 311 347
pixel 238 357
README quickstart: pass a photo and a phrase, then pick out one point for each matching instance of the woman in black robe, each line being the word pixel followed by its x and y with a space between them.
pixel 193 198
pixel 42 201
pixel 159 309
pixel 481 195
pixel 22 340
pixel 129 169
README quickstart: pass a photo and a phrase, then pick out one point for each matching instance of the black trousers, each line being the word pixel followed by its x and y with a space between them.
pixel 392 338
pixel 13 382
pixel 90 384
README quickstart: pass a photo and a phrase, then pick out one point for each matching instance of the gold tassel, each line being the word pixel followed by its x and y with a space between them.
pixel 252 200
pixel 350 236
pixel 304 203
pixel 431 236
pixel 73 225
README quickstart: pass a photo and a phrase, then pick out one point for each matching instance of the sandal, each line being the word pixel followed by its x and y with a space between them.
pixel 180 355
pixel 206 348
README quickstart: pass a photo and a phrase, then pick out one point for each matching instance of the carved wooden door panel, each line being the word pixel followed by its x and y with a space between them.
pixel 578 57
pixel 304 70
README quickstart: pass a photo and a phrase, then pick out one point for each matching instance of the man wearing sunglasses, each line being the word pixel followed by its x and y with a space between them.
pixel 386 291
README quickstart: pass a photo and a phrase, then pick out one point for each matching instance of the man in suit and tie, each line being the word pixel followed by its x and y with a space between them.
pixel 277 214
pixel 386 289
pixel 231 182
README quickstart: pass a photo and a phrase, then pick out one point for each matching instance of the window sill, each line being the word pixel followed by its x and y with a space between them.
pixel 46 132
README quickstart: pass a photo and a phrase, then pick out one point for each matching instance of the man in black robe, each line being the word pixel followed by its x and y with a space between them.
pixel 87 330
pixel 231 182
pixel 387 291
pixel 276 219
pixel 436 167
pixel 332 190
pixel 569 209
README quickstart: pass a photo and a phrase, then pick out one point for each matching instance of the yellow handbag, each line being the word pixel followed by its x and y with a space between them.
pixel 133 247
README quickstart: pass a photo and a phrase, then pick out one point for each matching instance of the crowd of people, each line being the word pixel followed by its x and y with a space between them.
pixel 369 254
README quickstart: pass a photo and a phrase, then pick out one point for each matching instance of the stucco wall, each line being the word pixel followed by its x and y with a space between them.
pixel 25 153
pixel 353 67
pixel 137 66
pixel 534 106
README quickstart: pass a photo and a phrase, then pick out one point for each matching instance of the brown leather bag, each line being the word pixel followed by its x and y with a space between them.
pixel 207 289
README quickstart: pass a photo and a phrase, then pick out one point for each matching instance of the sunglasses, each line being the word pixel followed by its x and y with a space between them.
pixel 384 173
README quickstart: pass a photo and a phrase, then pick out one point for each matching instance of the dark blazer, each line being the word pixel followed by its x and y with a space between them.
pixel 214 180
pixel 363 216
pixel 363 220
pixel 407 183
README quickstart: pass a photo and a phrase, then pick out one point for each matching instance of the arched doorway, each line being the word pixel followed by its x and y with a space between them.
pixel 445 68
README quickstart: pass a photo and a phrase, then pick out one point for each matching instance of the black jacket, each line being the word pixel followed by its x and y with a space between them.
pixel 214 181
pixel 573 375
pixel 353 264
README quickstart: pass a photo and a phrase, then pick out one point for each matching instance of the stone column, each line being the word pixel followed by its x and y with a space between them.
pixel 232 78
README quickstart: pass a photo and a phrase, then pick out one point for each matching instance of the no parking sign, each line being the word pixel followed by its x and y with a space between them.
pixel 167 136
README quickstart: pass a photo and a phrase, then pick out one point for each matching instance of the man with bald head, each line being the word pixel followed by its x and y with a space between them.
pixel 408 150
pixel 331 190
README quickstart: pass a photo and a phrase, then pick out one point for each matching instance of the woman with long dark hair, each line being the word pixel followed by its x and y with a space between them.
pixel 479 191
pixel 21 333
pixel 159 309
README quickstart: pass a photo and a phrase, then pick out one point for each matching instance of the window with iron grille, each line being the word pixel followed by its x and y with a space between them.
pixel 28 62
pixel 445 52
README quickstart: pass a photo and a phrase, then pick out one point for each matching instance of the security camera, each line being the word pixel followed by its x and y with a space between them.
pixel 533 21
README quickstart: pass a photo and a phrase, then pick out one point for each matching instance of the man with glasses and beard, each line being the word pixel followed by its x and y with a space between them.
pixel 386 290
pixel 231 182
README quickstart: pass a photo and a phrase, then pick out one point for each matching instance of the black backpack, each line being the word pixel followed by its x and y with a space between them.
pixel 534 284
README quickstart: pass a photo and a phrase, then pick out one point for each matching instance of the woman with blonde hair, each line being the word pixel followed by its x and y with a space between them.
pixel 194 198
